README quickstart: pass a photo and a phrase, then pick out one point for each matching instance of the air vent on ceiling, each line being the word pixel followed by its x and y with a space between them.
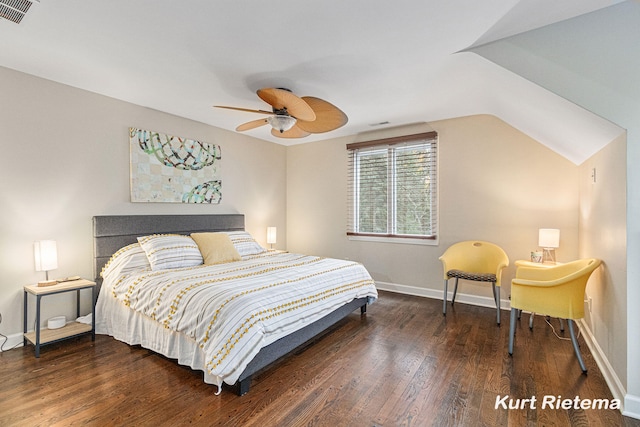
pixel 14 10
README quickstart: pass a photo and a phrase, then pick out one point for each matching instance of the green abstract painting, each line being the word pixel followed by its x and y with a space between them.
pixel 166 168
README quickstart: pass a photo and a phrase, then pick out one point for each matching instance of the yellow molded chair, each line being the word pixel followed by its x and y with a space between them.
pixel 555 291
pixel 474 260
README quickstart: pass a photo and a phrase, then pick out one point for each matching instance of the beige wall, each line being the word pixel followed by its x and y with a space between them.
pixel 65 158
pixel 495 184
pixel 603 233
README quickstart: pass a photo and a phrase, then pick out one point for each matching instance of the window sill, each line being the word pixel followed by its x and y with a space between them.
pixel 398 240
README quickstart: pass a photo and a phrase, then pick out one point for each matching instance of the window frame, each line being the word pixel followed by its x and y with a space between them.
pixel 392 146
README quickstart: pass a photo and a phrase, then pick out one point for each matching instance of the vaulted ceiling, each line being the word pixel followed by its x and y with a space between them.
pixel 383 63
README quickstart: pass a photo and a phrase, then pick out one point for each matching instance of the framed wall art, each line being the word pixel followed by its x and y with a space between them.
pixel 172 169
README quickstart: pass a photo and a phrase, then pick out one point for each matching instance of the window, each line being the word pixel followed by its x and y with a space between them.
pixel 393 188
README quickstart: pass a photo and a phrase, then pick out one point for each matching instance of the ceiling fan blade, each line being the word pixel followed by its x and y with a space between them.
pixel 294 132
pixel 281 99
pixel 328 116
pixel 244 109
pixel 252 125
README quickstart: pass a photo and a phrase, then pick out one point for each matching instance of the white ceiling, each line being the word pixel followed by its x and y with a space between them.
pixel 400 62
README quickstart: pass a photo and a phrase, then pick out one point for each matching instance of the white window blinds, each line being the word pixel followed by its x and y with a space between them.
pixel 393 187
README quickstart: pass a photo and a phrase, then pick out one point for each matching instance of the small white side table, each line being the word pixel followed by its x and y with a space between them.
pixel 525 263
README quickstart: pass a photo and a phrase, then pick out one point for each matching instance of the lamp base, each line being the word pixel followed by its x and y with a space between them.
pixel 548 256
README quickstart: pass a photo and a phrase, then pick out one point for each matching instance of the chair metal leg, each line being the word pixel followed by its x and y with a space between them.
pixel 512 329
pixel 444 300
pixel 455 291
pixel 576 348
pixel 561 325
pixel 531 321
pixel 496 291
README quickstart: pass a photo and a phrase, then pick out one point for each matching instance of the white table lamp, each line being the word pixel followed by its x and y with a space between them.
pixel 46 256
pixel 271 236
pixel 549 240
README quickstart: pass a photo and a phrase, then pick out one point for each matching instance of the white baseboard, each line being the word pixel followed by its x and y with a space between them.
pixel 437 294
pixel 610 376
pixel 631 404
pixel 13 341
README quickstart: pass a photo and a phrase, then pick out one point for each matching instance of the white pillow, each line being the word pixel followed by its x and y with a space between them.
pixel 244 243
pixel 170 251
pixel 126 260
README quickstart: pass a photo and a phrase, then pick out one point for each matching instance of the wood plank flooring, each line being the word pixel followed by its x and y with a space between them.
pixel 401 364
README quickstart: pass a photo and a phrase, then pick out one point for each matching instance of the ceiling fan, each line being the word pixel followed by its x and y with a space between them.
pixel 293 116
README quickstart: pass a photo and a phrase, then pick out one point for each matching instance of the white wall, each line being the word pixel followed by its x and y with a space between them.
pixel 495 184
pixel 66 158
pixel 603 221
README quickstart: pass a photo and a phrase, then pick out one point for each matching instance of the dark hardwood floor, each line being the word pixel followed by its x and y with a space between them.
pixel 402 364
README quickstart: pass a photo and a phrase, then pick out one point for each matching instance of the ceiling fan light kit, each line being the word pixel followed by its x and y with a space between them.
pixel 293 116
pixel 281 123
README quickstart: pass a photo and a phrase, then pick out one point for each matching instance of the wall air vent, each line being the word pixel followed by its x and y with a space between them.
pixel 14 10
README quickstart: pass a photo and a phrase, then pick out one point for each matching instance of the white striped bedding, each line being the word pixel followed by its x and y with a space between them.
pixel 228 311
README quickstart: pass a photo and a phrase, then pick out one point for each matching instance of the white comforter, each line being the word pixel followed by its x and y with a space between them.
pixel 227 311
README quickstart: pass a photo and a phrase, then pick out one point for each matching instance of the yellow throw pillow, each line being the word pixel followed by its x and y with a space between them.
pixel 216 248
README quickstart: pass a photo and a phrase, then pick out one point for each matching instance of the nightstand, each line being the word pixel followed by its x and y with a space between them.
pixel 40 337
pixel 525 263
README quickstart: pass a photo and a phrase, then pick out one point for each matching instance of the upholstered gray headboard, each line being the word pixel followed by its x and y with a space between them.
pixel 112 232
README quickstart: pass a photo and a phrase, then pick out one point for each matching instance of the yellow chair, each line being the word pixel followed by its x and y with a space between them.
pixel 555 291
pixel 474 260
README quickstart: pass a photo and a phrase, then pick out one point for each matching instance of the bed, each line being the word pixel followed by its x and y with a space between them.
pixel 228 317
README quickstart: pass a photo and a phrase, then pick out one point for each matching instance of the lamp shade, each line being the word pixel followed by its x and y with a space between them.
pixel 271 235
pixel 46 255
pixel 549 238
